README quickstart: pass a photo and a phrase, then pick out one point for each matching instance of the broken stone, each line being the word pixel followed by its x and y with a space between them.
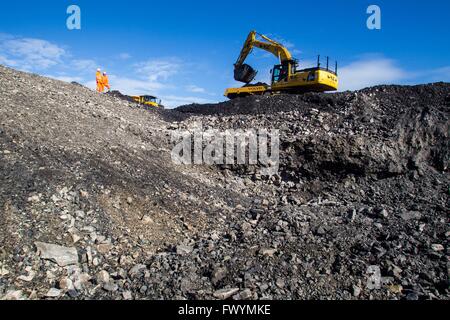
pixel 137 269
pixel 63 256
pixel 84 194
pixel 75 237
pixel 89 254
pixel 81 281
pixel 356 291
pixel 280 283
pixel 437 247
pixel 34 198
pixel 395 288
pixel 102 277
pixel 411 215
pixel 183 249
pixel 66 284
pixel 13 295
pixel 218 275
pixel 3 271
pixel 125 260
pixel 225 293
pixel 268 252
pixel 127 295
pixel 80 214
pixel 396 271
pixel 384 213
pixel 147 220
pixel 29 277
pixel 246 294
pixel 110 286
pixel 104 248
pixel 321 231
pixel 53 293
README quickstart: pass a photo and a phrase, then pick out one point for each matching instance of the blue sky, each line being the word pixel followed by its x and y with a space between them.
pixel 183 51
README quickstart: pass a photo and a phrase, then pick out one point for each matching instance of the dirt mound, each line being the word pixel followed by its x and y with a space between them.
pixel 92 205
pixel 119 95
pixel 390 99
pixel 384 130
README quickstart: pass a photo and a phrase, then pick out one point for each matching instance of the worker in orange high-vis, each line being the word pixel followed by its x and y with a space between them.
pixel 105 81
pixel 99 79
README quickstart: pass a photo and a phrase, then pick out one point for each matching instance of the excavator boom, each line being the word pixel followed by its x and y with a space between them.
pixel 277 49
pixel 245 73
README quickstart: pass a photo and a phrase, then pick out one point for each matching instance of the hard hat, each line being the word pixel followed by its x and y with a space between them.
pixel 98 69
pixel 104 72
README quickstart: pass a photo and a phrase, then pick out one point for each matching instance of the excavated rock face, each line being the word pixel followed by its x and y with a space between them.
pixel 361 194
pixel 381 130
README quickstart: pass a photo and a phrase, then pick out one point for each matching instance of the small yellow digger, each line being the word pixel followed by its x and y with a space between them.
pixel 147 100
pixel 286 77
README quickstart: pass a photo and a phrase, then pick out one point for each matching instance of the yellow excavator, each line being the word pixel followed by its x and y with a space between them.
pixel 286 77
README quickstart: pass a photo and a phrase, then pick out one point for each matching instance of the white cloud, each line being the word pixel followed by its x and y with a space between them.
pixel 195 89
pixel 437 75
pixel 66 78
pixel 158 69
pixel 8 62
pixel 308 63
pixel 173 101
pixel 263 75
pixel 29 54
pixel 84 65
pixel 369 72
pixel 92 85
pixel 5 36
pixel 124 56
pixel 287 44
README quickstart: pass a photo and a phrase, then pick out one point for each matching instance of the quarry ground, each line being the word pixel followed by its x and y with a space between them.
pixel 93 207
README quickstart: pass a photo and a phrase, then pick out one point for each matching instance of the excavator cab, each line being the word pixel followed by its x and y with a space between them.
pixel 151 99
pixel 280 73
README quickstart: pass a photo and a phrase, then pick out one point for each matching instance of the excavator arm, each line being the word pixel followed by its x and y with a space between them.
pixel 244 72
pixel 277 49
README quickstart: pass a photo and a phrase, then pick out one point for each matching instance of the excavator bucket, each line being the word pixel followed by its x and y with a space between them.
pixel 244 73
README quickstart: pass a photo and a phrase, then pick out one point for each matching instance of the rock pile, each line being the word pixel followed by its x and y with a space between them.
pixel 92 207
